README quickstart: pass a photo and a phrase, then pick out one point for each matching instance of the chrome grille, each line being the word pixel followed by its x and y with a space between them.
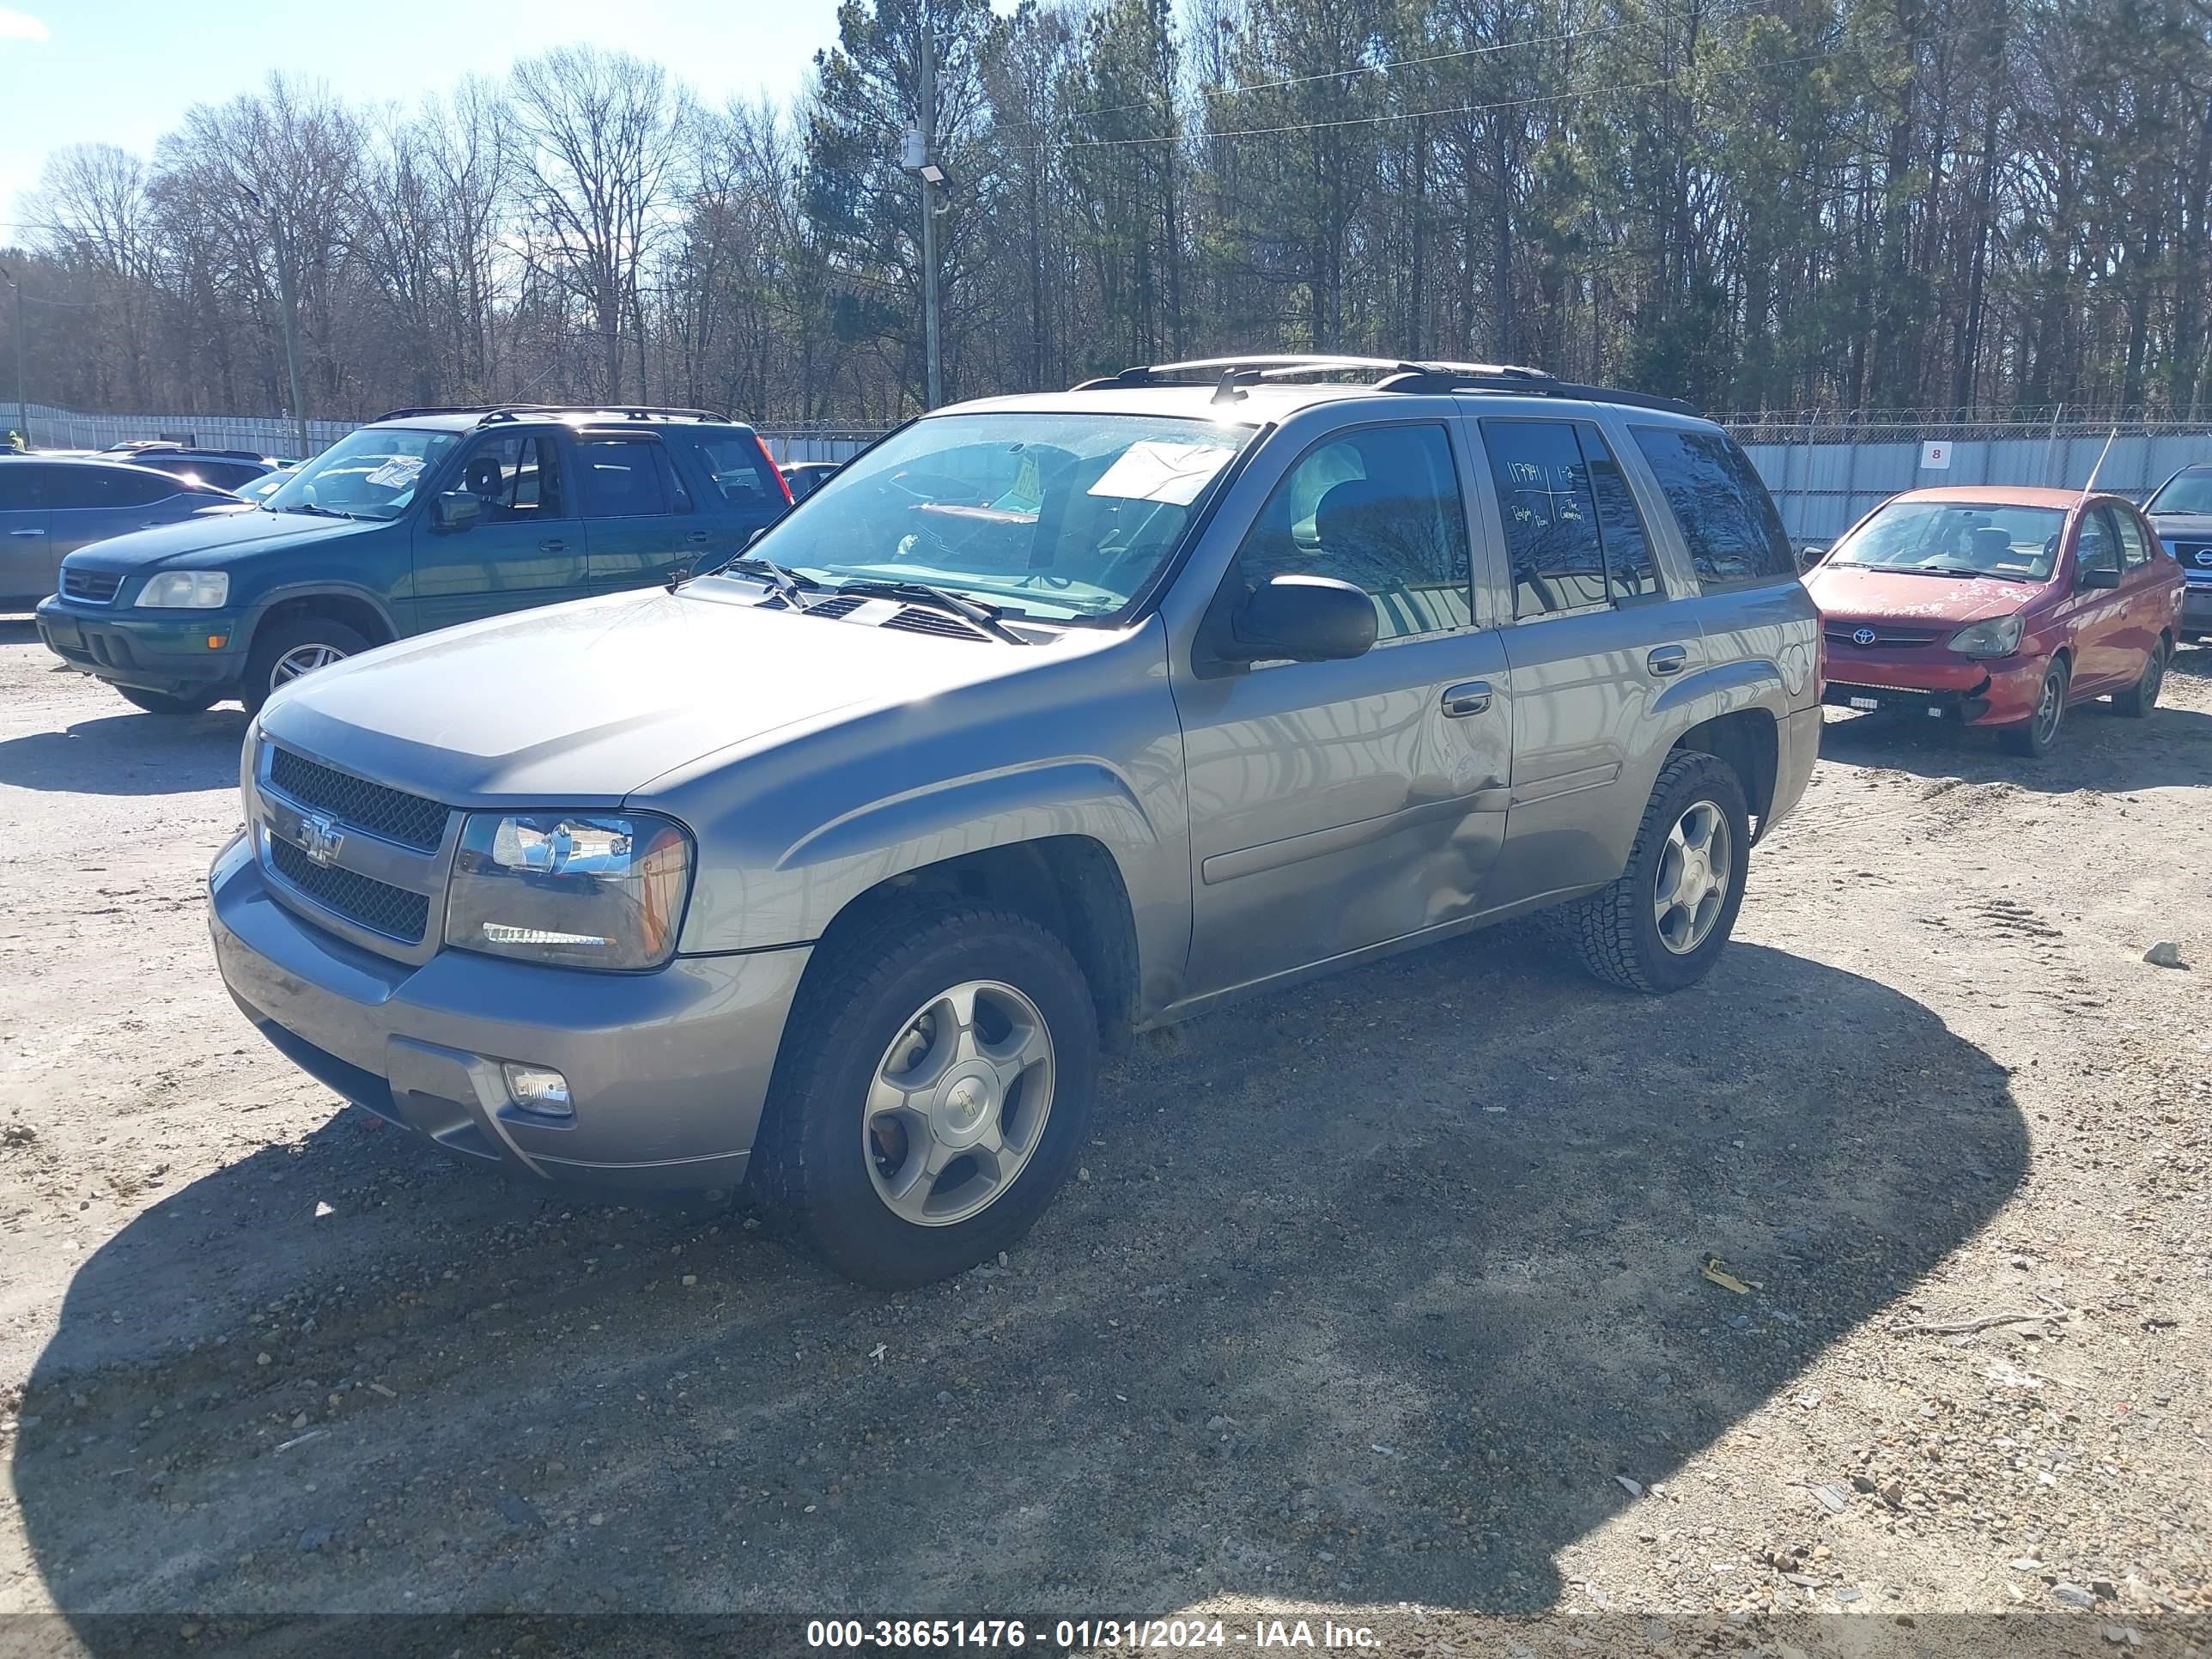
pixel 90 587
pixel 391 813
pixel 391 911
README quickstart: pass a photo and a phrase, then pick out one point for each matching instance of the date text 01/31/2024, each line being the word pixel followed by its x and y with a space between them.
pixel 1083 1635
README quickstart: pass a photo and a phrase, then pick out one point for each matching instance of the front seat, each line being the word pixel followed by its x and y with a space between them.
pixel 483 480
pixel 1992 545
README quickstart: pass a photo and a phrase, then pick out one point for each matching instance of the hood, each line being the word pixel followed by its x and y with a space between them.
pixel 205 542
pixel 2190 524
pixel 580 704
pixel 1862 593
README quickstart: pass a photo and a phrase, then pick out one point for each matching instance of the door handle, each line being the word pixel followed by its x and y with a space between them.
pixel 26 532
pixel 698 537
pixel 552 544
pixel 1667 659
pixel 1469 698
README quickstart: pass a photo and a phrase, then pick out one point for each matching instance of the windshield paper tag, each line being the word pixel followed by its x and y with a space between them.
pixel 1149 471
pixel 396 473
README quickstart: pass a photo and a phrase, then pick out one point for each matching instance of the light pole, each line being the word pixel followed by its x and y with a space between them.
pixel 22 409
pixel 288 303
pixel 920 158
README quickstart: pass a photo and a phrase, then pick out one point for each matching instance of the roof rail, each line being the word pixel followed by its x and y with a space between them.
pixel 1270 365
pixel 1517 382
pixel 510 411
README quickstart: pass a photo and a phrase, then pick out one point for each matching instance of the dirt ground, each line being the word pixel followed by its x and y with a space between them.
pixel 1379 1299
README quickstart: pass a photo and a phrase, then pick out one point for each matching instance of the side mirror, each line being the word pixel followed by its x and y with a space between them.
pixel 2098 578
pixel 1809 556
pixel 1301 619
pixel 457 509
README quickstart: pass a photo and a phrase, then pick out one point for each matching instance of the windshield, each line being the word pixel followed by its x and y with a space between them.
pixel 1956 538
pixel 2184 492
pixel 371 473
pixel 1063 518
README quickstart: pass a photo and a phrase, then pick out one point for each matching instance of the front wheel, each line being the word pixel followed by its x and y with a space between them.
pixel 1660 926
pixel 932 1093
pixel 2034 736
pixel 2139 699
pixel 288 649
pixel 160 702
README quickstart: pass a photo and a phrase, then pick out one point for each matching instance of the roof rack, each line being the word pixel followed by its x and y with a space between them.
pixel 1398 375
pixel 489 412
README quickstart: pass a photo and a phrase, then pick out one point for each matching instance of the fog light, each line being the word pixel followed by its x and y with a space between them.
pixel 216 641
pixel 538 1089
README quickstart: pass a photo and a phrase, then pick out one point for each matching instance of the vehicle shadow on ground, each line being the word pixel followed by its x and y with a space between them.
pixel 129 753
pixel 1369 1294
pixel 2097 748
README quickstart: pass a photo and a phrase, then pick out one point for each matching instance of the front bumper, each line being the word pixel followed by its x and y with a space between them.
pixel 1934 684
pixel 165 651
pixel 668 1072
pixel 2196 608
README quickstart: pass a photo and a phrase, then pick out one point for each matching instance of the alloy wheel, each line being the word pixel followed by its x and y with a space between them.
pixel 302 659
pixel 958 1103
pixel 1693 880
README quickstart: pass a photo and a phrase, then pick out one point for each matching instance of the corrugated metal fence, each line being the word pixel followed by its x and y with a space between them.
pixel 1825 470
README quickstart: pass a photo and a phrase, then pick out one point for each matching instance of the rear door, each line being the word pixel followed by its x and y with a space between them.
pixel 2146 580
pixel 640 522
pixel 27 562
pixel 741 491
pixel 1592 647
pixel 526 547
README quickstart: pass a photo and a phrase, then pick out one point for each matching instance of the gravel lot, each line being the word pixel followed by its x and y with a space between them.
pixel 1379 1298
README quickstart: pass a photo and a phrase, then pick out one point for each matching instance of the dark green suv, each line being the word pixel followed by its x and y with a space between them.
pixel 425 518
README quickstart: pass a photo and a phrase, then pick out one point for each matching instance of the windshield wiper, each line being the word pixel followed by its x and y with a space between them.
pixel 787 585
pixel 310 507
pixel 985 617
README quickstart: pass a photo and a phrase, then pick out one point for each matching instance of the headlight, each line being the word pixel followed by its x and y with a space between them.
pixel 1998 637
pixel 585 890
pixel 186 590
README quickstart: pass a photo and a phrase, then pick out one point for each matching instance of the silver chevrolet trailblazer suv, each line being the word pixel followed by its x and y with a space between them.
pixel 1046 720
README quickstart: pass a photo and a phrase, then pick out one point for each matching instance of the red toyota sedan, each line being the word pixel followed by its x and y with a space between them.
pixel 1998 607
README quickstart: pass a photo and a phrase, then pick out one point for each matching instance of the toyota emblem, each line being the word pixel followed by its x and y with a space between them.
pixel 1861 636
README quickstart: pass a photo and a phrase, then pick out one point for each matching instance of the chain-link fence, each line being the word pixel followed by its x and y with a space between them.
pixel 264 434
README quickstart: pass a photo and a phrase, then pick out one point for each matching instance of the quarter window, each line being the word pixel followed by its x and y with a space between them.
pixel 1379 509
pixel 2134 546
pixel 1572 529
pixel 1727 518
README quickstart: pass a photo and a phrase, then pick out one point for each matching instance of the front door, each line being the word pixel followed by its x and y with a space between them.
pixel 639 518
pixel 1335 806
pixel 526 547
pixel 2105 655
pixel 1593 647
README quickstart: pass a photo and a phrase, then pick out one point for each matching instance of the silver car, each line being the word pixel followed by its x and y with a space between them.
pixel 52 505
pixel 1046 720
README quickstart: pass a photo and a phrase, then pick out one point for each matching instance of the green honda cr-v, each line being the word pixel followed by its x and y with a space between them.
pixel 425 518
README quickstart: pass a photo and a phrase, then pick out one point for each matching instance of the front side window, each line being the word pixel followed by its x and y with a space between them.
pixel 516 478
pixel 109 486
pixel 1572 532
pixel 373 472
pixel 1380 508
pixel 2099 548
pixel 1726 517
pixel 1058 517
pixel 1957 538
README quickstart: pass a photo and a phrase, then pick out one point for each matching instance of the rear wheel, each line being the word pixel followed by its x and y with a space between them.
pixel 2034 736
pixel 1662 925
pixel 2139 699
pixel 932 1093
pixel 285 650
pixel 160 702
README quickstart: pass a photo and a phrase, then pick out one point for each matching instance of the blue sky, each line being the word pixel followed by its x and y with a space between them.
pixel 123 71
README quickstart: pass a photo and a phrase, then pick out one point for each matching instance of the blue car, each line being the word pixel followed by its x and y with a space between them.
pixel 2181 510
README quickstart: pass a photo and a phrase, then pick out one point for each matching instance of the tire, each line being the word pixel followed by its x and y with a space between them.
pixel 835 1148
pixel 2139 699
pixel 2034 737
pixel 160 702
pixel 1617 931
pixel 281 643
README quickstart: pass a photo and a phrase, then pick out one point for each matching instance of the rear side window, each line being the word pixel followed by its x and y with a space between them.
pixel 740 471
pixel 623 477
pixel 1727 518
pixel 1571 528
pixel 2134 546
pixel 107 486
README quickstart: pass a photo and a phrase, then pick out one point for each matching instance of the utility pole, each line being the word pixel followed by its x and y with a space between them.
pixel 288 301
pixel 920 160
pixel 22 409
